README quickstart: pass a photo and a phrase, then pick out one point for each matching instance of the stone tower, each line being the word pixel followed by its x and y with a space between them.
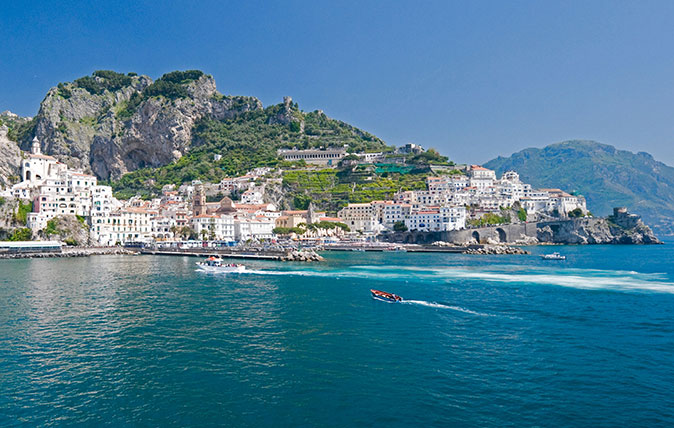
pixel 199 200
pixel 310 213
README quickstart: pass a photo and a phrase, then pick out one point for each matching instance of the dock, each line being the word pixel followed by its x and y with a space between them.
pixel 407 248
pixel 224 253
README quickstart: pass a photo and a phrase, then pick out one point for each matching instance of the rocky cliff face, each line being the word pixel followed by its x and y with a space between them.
pixel 595 231
pixel 110 124
pixel 10 158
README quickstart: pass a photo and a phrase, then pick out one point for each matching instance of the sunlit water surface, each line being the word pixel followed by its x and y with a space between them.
pixel 480 341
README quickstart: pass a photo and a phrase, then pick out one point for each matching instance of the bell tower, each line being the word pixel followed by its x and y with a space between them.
pixel 199 200
pixel 35 147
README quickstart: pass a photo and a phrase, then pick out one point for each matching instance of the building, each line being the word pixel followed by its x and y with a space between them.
pixel 329 156
pixel 360 217
pixel 441 219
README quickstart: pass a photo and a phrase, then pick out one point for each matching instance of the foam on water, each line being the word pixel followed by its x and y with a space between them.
pixel 441 306
pixel 587 279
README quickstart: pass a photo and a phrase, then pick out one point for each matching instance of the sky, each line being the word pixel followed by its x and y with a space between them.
pixel 474 79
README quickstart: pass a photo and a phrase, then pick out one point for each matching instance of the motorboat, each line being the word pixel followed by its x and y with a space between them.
pixel 215 265
pixel 553 256
pixel 395 249
pixel 385 297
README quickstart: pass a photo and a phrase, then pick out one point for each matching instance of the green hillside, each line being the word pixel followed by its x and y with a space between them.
pixel 247 141
pixel 606 176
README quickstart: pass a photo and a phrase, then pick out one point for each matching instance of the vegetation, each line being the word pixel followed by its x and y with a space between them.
pixel 288 230
pixel 522 214
pixel 2 201
pixel 20 130
pixel 22 210
pixel 22 234
pixel 170 86
pixel 98 82
pixel 329 225
pixel 576 213
pixel 490 219
pixel 399 226
pixel 247 141
pixel 331 189
pixel 430 156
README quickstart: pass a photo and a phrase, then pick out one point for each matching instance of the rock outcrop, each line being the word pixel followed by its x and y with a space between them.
pixel 10 159
pixel 68 229
pixel 302 256
pixel 496 250
pixel 114 128
pixel 619 228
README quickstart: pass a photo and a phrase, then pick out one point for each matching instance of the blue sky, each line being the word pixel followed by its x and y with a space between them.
pixel 474 79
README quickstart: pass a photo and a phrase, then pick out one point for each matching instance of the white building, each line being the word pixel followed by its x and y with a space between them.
pixel 359 217
pixel 219 227
pixel 438 220
pixel 330 156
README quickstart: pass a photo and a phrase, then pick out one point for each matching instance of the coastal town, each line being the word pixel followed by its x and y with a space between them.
pixel 238 209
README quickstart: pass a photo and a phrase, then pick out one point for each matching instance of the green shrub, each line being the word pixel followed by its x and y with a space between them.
pixel 399 226
pixel 575 213
pixel 51 228
pixel 23 234
pixel 70 242
pixel 522 214
pixel 21 215
pixel 490 219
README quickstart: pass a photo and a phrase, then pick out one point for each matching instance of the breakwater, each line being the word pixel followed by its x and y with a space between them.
pixel 70 252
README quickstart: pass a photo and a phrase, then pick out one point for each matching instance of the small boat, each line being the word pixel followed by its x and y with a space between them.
pixel 386 297
pixel 215 265
pixel 553 256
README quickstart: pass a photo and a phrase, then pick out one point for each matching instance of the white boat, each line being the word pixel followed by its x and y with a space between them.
pixel 553 256
pixel 215 265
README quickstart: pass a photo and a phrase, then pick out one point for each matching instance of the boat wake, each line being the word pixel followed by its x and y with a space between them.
pixel 441 306
pixel 586 279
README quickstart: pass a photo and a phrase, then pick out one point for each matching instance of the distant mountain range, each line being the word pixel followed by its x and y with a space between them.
pixel 606 176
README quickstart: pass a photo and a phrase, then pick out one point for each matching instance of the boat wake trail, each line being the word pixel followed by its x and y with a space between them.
pixel 441 306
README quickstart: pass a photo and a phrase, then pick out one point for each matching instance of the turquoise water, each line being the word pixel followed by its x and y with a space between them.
pixel 482 341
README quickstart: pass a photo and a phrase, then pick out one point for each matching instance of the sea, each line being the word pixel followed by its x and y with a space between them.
pixel 488 341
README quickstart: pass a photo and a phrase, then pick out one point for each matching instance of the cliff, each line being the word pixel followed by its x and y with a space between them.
pixel 10 159
pixel 110 123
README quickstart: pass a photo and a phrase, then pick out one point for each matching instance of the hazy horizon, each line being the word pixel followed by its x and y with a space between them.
pixel 475 80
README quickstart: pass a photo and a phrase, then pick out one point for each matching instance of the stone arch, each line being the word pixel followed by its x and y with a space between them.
pixel 501 235
pixel 476 236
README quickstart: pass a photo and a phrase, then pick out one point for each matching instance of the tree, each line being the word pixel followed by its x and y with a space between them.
pixel 575 213
pixel 211 232
pixel 399 226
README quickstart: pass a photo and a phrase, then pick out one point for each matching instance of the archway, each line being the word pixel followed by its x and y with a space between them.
pixel 476 236
pixel 27 175
pixel 501 234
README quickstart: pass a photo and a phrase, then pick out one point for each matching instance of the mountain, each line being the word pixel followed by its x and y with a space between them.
pixel 112 124
pixel 606 176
